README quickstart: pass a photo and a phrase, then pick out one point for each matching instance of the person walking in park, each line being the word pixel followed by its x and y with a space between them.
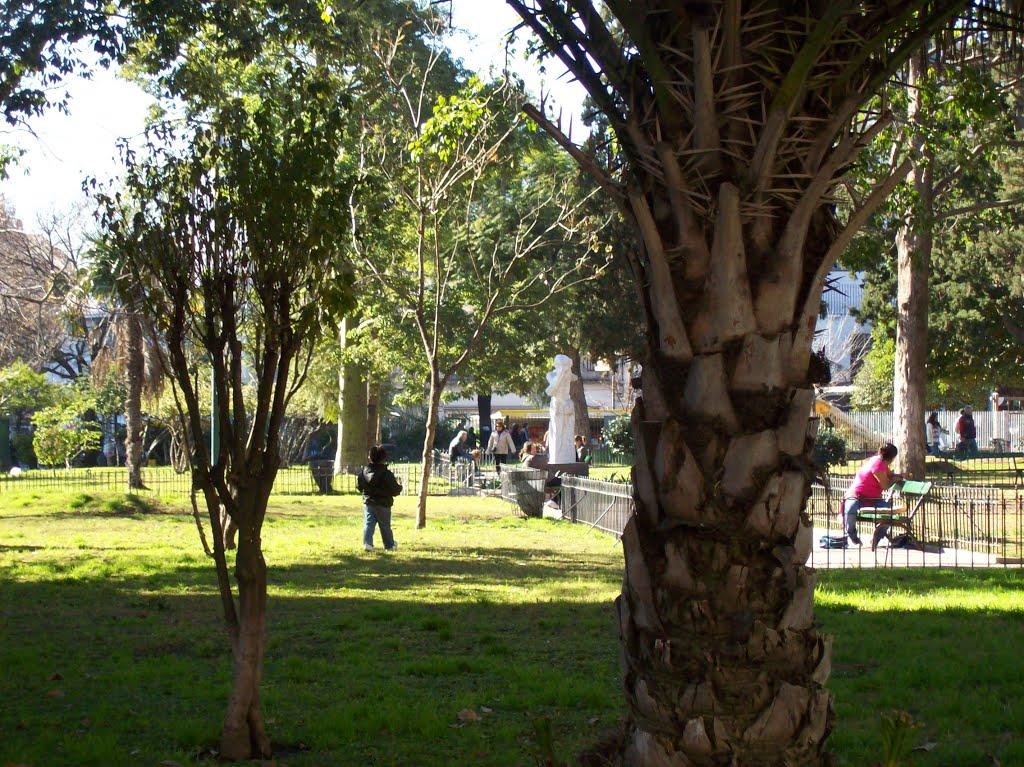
pixel 935 432
pixel 500 445
pixel 379 488
pixel 873 478
pixel 518 437
pixel 582 452
pixel 966 432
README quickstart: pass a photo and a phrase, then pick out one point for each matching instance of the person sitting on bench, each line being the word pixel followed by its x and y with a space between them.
pixel 873 478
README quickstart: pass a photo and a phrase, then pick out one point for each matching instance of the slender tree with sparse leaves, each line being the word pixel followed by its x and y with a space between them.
pixel 233 232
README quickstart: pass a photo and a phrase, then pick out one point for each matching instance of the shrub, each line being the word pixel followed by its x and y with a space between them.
pixel 829 448
pixel 618 435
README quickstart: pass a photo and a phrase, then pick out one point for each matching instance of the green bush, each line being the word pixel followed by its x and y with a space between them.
pixel 618 435
pixel 829 448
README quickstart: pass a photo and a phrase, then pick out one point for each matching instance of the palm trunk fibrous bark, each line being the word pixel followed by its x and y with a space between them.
pixel 734 120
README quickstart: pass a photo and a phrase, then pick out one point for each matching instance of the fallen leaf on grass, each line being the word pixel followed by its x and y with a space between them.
pixel 55 694
pixel 926 747
pixel 56 676
pixel 468 715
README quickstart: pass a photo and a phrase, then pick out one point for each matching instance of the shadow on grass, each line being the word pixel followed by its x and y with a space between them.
pixel 348 680
pixel 475 570
pixel 942 645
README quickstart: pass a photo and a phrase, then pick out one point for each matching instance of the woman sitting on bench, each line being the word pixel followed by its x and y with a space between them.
pixel 873 478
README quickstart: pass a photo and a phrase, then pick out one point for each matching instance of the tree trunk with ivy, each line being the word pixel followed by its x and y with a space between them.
pixel 735 121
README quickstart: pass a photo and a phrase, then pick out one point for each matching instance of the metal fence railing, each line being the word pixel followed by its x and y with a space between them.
pixel 1005 426
pixel 985 468
pixel 956 526
pixel 316 478
pixel 605 456
pixel 597 503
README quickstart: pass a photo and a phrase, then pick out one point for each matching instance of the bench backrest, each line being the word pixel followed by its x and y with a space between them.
pixel 915 487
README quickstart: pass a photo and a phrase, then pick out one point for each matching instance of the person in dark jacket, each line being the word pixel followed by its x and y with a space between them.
pixel 379 488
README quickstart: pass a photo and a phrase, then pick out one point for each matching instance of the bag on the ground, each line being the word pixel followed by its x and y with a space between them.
pixel 833 542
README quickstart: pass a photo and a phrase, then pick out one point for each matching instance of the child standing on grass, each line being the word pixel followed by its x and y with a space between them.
pixel 379 488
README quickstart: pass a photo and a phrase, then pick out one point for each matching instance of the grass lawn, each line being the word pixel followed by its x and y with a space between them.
pixel 113 650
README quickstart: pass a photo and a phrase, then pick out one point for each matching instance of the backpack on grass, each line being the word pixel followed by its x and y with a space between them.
pixel 833 542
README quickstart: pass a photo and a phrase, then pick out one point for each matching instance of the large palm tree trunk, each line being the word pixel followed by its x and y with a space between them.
pixel 719 646
pixel 736 120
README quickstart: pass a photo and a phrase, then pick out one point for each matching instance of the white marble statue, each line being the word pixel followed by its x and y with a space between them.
pixel 560 430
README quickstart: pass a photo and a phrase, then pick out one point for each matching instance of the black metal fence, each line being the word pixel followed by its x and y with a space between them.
pixel 984 468
pixel 316 478
pixel 955 526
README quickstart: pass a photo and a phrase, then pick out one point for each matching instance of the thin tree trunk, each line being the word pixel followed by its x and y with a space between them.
pixel 352 421
pixel 372 413
pixel 244 734
pixel 135 370
pixel 578 394
pixel 433 409
pixel 914 251
pixel 483 413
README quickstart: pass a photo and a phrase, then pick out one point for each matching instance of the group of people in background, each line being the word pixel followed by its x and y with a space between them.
pixel 505 445
pixel 965 429
pixel 875 476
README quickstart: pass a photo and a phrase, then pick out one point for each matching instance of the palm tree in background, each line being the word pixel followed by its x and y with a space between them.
pixel 126 350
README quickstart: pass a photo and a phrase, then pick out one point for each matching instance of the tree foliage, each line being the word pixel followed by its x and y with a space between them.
pixel 61 430
pixel 232 227
pixel 21 388
pixel 968 136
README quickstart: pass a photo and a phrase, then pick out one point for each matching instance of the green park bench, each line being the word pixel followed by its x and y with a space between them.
pixel 912 495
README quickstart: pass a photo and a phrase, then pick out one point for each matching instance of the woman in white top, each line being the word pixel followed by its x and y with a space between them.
pixel 500 445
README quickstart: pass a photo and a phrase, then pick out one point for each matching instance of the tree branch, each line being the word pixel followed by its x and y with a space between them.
pixel 585 161
pixel 979 207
